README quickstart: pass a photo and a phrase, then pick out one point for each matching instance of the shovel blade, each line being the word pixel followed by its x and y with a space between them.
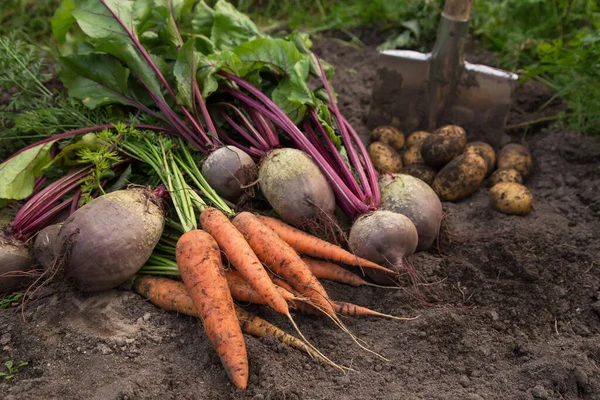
pixel 400 92
pixel 479 103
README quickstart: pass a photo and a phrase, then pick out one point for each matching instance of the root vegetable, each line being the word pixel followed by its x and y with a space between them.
pixel 282 259
pixel 171 295
pixel 15 257
pixel 242 291
pixel 385 157
pixel 228 170
pixel 413 198
pixel 199 262
pixel 460 178
pixel 412 155
pixel 485 151
pixel 241 256
pixel 443 145
pixel 110 238
pixel 421 171
pixel 516 156
pixel 511 198
pixel 390 136
pixel 416 137
pixel 44 246
pixel 385 238
pixel 314 247
pixel 295 186
pixel 505 175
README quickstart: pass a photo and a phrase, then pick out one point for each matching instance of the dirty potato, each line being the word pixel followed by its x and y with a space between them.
pixel 504 175
pixel 420 171
pixel 385 157
pixel 412 155
pixel 460 178
pixel 511 198
pixel 443 145
pixel 389 135
pixel 516 156
pixel 416 137
pixel 485 151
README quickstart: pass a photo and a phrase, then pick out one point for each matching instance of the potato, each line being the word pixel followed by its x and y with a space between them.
pixel 421 171
pixel 485 151
pixel 389 135
pixel 516 156
pixel 412 155
pixel 416 137
pixel 443 145
pixel 460 178
pixel 511 198
pixel 504 175
pixel 385 157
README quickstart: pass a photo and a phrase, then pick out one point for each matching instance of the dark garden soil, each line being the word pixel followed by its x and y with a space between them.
pixel 517 316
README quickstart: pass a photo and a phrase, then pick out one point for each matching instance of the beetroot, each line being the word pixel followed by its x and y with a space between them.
pixel 14 257
pixel 109 239
pixel 410 196
pixel 385 238
pixel 44 246
pixel 228 170
pixel 295 187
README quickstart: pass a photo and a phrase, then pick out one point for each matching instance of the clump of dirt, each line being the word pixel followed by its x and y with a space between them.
pixel 516 310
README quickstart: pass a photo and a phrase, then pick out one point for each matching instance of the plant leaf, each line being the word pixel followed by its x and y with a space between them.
pixel 96 19
pixel 231 27
pixel 185 71
pixel 292 93
pixel 277 53
pixel 17 175
pixel 62 20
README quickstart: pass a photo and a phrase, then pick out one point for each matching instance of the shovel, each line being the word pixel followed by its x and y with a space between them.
pixel 417 91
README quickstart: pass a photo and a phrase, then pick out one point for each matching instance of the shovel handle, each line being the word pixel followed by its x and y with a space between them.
pixel 458 9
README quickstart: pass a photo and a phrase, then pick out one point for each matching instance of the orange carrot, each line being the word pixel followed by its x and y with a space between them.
pixel 199 262
pixel 282 259
pixel 242 291
pixel 346 309
pixel 314 247
pixel 172 295
pixel 240 255
pixel 332 272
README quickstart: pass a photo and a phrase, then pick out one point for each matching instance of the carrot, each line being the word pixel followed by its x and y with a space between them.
pixel 172 295
pixel 332 272
pixel 346 309
pixel 258 327
pixel 166 293
pixel 242 291
pixel 240 255
pixel 199 262
pixel 282 259
pixel 314 247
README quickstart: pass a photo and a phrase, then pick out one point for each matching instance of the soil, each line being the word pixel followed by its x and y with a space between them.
pixel 516 310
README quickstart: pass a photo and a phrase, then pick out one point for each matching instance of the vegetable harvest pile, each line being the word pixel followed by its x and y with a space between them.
pixel 230 177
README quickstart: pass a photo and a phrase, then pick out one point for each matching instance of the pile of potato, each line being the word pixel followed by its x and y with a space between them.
pixel 454 168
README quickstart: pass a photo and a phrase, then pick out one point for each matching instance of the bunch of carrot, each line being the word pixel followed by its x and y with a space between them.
pixel 275 264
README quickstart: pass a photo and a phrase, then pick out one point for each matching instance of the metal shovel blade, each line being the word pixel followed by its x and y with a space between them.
pixel 423 91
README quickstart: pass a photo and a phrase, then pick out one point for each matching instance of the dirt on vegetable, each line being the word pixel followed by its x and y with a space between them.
pixel 516 300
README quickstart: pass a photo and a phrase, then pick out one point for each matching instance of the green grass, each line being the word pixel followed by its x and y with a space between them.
pixel 553 41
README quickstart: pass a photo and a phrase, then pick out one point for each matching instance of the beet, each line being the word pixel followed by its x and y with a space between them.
pixel 228 170
pixel 44 246
pixel 109 239
pixel 410 196
pixel 295 187
pixel 14 256
pixel 385 238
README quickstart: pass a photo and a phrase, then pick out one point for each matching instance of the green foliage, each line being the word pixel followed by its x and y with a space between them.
pixel 28 18
pixel 12 368
pixel 8 301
